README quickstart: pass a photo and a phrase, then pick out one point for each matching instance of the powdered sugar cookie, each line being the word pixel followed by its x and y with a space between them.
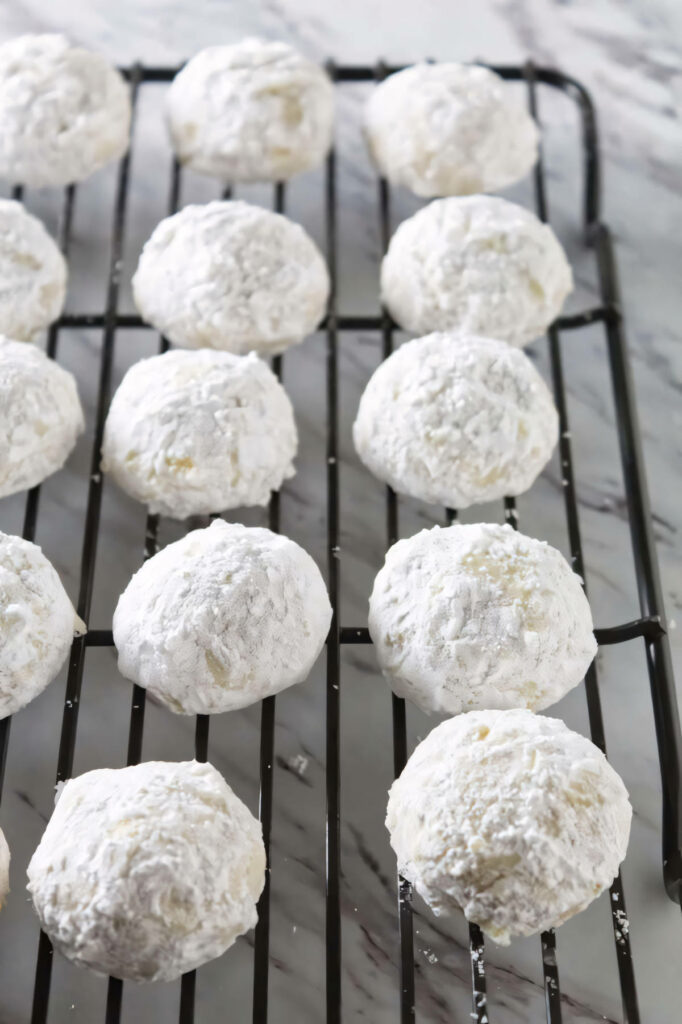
pixel 65 112
pixel 32 274
pixel 147 872
pixel 449 129
pixel 478 264
pixel 479 616
pixel 231 276
pixel 456 419
pixel 37 623
pixel 253 111
pixel 189 433
pixel 511 818
pixel 222 618
pixel 40 416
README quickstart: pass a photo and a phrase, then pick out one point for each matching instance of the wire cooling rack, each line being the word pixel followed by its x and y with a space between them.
pixel 649 627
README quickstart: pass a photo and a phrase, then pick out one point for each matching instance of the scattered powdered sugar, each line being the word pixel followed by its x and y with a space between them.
pixel 479 264
pixel 456 419
pixel 510 817
pixel 449 129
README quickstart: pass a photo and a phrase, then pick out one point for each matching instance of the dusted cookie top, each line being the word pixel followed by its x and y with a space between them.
pixel 40 416
pixel 254 111
pixel 37 623
pixel 147 872
pixel 222 618
pixel 449 129
pixel 478 264
pixel 4 868
pixel 479 616
pixel 189 433
pixel 510 817
pixel 456 419
pixel 231 276
pixel 32 274
pixel 64 111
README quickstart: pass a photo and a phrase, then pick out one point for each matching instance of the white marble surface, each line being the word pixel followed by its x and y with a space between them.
pixel 630 56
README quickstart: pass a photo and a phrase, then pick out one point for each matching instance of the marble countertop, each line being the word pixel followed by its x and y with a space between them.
pixel 630 56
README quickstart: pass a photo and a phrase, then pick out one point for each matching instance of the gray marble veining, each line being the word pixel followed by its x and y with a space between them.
pixel 631 57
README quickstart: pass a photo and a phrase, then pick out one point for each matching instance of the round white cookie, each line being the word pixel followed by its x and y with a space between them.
pixel 147 872
pixel 32 274
pixel 231 276
pixel 478 264
pixel 221 619
pixel 449 129
pixel 37 623
pixel 40 416
pixel 189 433
pixel 456 419
pixel 253 111
pixel 510 817
pixel 65 112
pixel 479 616
pixel 4 868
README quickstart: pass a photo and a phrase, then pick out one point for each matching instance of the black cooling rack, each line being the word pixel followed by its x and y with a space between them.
pixel 649 627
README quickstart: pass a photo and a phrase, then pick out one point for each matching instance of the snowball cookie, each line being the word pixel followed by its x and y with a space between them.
pixel 479 616
pixel 32 274
pixel 479 264
pixel 4 868
pixel 37 623
pixel 254 111
pixel 222 618
pixel 510 817
pixel 40 416
pixel 232 276
pixel 189 433
pixel 449 129
pixel 147 872
pixel 65 112
pixel 456 419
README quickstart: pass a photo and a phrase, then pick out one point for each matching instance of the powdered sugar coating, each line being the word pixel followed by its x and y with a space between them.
pixel 221 619
pixel 189 433
pixel 4 868
pixel 456 419
pixel 65 112
pixel 32 274
pixel 147 872
pixel 37 623
pixel 253 111
pixel 479 616
pixel 478 264
pixel 231 276
pixel 40 416
pixel 449 129
pixel 510 817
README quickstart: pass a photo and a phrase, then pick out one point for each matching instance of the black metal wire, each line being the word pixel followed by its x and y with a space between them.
pixel 650 626
pixel 398 708
pixel 596 720
pixel 76 660
pixel 333 693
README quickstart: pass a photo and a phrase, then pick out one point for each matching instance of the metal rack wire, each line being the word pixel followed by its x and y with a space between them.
pixel 649 627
